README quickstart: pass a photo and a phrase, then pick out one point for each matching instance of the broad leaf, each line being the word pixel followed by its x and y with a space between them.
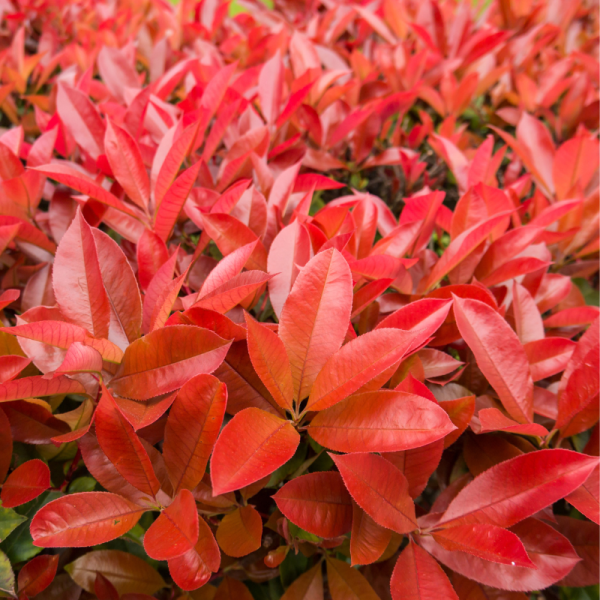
pixel 25 483
pixel 251 446
pixel 317 503
pixel 315 317
pixel 191 431
pixel 175 531
pixel 270 361
pixel 240 532
pixel 122 446
pixel 356 363
pixel 417 576
pixel 127 572
pixel 379 489
pixel 77 280
pixel 499 355
pixel 381 421
pixel 85 519
pixel 166 359
pixel 536 479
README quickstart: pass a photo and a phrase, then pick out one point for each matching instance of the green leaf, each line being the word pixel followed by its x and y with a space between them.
pixel 82 484
pixel 299 533
pixel 19 546
pixel 292 567
pixel 7 577
pixel 9 521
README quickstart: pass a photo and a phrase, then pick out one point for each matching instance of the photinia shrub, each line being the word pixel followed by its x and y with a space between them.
pixel 299 302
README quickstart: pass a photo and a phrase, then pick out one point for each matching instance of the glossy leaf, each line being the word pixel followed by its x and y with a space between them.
pixel 417 576
pixel 315 317
pixel 191 431
pixel 379 489
pixel 485 541
pixel 37 574
pixel 251 446
pixel 175 531
pixel 77 280
pixel 86 519
pixel 355 364
pixel 499 355
pixel 545 476
pixel 270 361
pixel 165 359
pixel 194 568
pixel 240 532
pixel 381 421
pixel 122 446
pixel 317 503
pixel 25 483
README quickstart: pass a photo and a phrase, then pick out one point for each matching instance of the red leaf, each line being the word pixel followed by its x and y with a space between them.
pixel 171 204
pixel 165 359
pixel 271 363
pixel 356 363
pixel 251 446
pixel 499 355
pixel 424 316
pixel 584 537
pixel 417 464
pixel 229 234
pixel 240 532
pixel 11 365
pixel 417 576
pixel 6 445
pixel 368 540
pixel 143 414
pixel 127 165
pixel 289 252
pixel 550 552
pixel 270 87
pixel 104 589
pixel 193 425
pixel 176 529
pixel 380 421
pixel 25 483
pixel 586 497
pixel 226 269
pixel 317 503
pixel 460 249
pixel 37 574
pixel 121 289
pixel 379 489
pixel 77 280
pixel 493 420
pixel 63 335
pixel 123 447
pixel 81 119
pixel 537 479
pixel 485 541
pixel 152 254
pixel 181 147
pixel 315 317
pixel 194 568
pixel 71 177
pixel 240 288
pixel 86 519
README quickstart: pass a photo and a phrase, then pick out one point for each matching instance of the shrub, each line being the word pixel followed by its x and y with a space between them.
pixel 298 299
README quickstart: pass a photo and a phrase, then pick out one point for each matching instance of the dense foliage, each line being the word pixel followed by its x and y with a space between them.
pixel 299 302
